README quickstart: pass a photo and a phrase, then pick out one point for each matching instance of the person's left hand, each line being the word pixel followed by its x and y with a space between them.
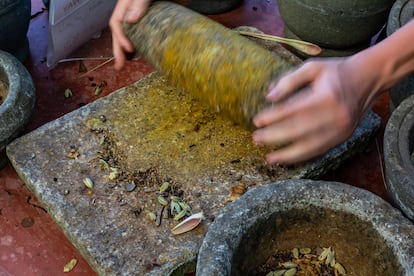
pixel 128 11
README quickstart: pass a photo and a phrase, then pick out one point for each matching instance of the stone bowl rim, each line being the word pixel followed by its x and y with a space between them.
pixel 7 67
pixel 394 20
pixel 380 214
pixel 397 155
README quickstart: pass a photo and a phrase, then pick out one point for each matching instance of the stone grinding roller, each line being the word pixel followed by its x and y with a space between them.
pixel 218 66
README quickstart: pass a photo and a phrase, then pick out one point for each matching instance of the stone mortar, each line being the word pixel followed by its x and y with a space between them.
pixel 398 149
pixel 19 101
pixel 335 24
pixel 210 6
pixel 369 236
pixel 401 12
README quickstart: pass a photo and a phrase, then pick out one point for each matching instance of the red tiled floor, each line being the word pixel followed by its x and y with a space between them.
pixel 30 242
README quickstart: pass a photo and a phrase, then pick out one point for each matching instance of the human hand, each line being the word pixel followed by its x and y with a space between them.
pixel 125 11
pixel 314 108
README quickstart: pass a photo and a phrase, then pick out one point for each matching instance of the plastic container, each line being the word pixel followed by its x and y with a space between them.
pixel 74 22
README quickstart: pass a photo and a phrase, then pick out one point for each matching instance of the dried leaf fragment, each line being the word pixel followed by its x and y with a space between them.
pixel 188 224
pixel 82 67
pixel 73 153
pixel 236 191
pixel 70 265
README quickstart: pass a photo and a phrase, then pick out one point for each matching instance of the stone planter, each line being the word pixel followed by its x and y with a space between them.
pixel 401 12
pixel 17 103
pixel 369 236
pixel 211 6
pixel 398 156
pixel 14 23
pixel 335 25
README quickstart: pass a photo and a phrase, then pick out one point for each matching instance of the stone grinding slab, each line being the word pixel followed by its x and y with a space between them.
pixel 151 133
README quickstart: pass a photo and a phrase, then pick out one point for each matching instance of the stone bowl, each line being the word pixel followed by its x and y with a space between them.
pixel 401 12
pixel 399 157
pixel 369 236
pixel 211 6
pixel 17 101
pixel 335 24
pixel 14 23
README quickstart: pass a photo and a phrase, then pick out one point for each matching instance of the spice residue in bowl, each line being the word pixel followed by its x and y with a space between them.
pixel 3 91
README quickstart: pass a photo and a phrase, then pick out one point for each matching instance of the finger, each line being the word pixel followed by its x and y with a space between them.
pixel 279 111
pixel 119 55
pixel 136 11
pixel 292 128
pixel 305 149
pixel 293 81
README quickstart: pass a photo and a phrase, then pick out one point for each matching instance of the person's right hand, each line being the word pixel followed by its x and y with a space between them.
pixel 125 11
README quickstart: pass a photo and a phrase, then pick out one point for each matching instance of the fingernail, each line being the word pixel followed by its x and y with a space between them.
pixel 274 93
pixel 130 16
pixel 256 139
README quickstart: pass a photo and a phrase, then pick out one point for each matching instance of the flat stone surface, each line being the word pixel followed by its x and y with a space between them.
pixel 151 133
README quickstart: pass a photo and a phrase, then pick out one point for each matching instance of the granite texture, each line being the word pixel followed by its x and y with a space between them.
pixel 19 102
pixel 398 156
pixel 149 133
pixel 368 235
pixel 401 12
pixel 335 24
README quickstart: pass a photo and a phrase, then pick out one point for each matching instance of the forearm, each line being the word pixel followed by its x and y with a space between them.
pixel 383 65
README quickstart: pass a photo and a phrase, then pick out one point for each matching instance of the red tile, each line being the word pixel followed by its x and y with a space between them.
pixel 30 242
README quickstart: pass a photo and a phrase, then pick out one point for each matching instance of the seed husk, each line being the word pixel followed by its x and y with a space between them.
pixel 305 250
pixel 151 216
pixel 290 272
pixel 188 224
pixel 174 207
pixel 68 93
pixel 295 253
pixel 180 215
pixel 88 182
pixel 114 173
pixel 184 206
pixel 70 265
pixel 306 264
pixel 340 269
pixel 324 254
pixel 162 200
pixel 104 164
pixel 175 198
pixel 330 257
pixel 277 273
pixel 164 187
pixel 289 265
